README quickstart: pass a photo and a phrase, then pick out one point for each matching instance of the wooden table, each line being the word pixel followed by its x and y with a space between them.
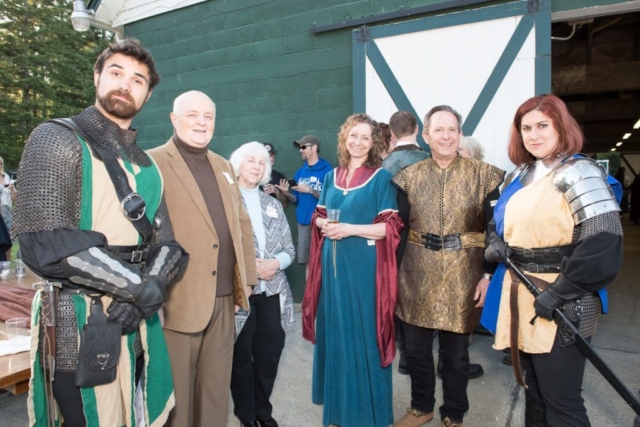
pixel 15 369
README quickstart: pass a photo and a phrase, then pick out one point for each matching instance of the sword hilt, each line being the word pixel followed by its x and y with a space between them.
pixel 49 301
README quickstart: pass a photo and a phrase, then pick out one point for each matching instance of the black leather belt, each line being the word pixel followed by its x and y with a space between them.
pixel 448 242
pixel 541 260
pixel 131 254
pixel 538 268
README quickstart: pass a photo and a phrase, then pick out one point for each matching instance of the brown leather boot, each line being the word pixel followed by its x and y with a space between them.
pixel 447 422
pixel 414 418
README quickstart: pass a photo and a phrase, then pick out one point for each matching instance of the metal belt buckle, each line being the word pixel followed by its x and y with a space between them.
pixel 452 242
pixel 126 212
pixel 528 253
pixel 138 256
pixel 533 268
pixel 432 241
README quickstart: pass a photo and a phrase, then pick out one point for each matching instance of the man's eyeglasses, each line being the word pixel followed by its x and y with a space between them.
pixel 303 147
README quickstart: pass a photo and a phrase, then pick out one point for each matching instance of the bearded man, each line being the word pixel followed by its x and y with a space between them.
pixel 88 197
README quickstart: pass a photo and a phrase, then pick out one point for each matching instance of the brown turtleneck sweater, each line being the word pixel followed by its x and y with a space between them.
pixel 196 159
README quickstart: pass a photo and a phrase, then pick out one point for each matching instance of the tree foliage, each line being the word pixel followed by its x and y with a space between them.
pixel 45 68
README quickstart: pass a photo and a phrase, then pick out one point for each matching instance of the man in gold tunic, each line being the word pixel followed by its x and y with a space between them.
pixel 441 282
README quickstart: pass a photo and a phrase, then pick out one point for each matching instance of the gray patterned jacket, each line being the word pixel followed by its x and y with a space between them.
pixel 277 239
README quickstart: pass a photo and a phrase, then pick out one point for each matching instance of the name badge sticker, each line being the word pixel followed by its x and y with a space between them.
pixel 271 211
pixel 228 177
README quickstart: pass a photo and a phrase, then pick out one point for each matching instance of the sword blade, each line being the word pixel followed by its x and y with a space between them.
pixel 583 345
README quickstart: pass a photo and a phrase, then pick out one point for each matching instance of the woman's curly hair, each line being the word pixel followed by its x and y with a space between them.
pixel 373 156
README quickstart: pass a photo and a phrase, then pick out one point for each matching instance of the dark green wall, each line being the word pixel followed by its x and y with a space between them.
pixel 271 79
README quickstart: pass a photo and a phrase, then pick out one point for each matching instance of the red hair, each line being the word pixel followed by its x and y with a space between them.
pixel 571 136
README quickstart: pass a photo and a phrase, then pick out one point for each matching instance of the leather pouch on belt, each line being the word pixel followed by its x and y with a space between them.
pixel 99 349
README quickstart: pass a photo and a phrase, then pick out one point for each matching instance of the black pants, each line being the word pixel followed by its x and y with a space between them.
pixel 455 370
pixel 255 359
pixel 69 399
pixel 556 378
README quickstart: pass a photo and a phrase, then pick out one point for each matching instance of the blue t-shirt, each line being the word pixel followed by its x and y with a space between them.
pixel 313 176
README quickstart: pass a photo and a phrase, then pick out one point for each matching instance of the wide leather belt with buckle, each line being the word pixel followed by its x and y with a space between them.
pixel 551 256
pixel 540 260
pixel 448 242
pixel 538 268
pixel 131 254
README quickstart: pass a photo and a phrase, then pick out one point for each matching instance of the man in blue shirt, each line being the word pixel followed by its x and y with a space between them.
pixel 305 194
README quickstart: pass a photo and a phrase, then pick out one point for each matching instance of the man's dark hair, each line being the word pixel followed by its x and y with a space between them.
pixel 402 124
pixel 133 49
pixel 448 109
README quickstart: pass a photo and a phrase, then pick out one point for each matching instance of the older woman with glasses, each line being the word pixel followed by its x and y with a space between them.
pixel 260 342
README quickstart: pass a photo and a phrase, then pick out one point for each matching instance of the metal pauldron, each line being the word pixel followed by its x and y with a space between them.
pixel 585 188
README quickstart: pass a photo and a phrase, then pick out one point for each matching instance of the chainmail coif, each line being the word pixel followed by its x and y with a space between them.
pixel 50 173
pixel 110 136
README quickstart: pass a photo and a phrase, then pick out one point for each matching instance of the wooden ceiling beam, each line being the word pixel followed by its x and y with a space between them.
pixel 608 109
pixel 614 129
pixel 596 78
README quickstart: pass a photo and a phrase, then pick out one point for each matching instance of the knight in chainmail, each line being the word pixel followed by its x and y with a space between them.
pixel 72 230
pixel 559 218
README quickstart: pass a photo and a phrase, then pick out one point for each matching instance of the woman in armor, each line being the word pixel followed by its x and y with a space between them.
pixel 557 219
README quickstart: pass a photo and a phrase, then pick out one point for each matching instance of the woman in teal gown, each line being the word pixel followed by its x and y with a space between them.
pixel 352 284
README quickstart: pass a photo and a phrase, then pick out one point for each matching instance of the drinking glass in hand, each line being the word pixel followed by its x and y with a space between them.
pixel 333 215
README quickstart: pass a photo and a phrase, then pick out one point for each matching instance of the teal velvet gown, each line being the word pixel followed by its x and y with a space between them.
pixel 347 377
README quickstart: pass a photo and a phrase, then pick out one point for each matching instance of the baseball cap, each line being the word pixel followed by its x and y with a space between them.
pixel 270 148
pixel 307 140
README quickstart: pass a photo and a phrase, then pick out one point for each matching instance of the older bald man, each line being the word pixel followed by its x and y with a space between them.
pixel 208 218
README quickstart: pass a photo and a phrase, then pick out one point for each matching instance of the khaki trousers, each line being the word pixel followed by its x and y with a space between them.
pixel 201 364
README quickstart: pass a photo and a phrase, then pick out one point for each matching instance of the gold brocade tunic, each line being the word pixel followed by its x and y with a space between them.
pixel 537 216
pixel 436 288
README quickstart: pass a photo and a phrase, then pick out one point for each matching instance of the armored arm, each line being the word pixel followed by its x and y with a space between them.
pixel 167 259
pixel 598 235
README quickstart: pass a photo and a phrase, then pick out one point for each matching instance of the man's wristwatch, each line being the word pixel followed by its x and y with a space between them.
pixel 487 276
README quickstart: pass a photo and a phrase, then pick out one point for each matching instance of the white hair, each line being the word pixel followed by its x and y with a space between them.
pixel 187 96
pixel 251 149
pixel 475 148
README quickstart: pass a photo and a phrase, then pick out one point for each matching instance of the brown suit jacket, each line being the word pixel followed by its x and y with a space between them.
pixel 190 300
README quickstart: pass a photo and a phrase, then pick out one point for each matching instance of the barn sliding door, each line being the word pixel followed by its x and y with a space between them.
pixel 483 62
